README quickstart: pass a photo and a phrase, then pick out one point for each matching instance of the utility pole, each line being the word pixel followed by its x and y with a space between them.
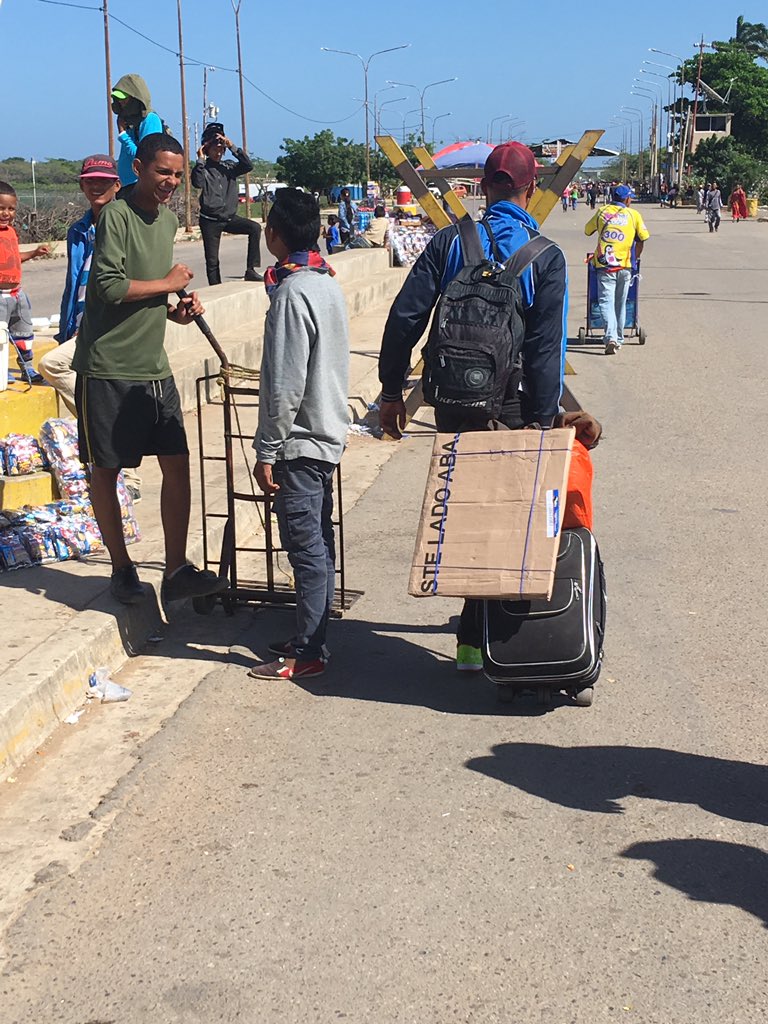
pixel 184 130
pixel 236 9
pixel 206 69
pixel 108 70
pixel 701 46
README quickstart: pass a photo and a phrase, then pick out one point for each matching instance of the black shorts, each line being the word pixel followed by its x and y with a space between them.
pixel 121 421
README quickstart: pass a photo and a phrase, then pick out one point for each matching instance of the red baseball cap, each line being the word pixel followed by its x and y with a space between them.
pixel 513 159
pixel 99 166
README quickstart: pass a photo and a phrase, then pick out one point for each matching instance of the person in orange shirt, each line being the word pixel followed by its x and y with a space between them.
pixel 14 304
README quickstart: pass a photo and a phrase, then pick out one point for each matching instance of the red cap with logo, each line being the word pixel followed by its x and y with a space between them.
pixel 514 160
pixel 99 166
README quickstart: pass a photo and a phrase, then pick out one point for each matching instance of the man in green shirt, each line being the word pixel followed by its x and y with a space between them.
pixel 126 397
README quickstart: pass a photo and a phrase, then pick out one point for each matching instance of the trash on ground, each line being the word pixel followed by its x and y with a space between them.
pixel 362 429
pixel 74 718
pixel 100 685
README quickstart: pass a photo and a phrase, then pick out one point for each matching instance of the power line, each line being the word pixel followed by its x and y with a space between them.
pixel 203 63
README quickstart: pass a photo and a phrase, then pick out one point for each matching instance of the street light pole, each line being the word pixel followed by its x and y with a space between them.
pixel 422 93
pixel 184 129
pixel 108 72
pixel 206 69
pixel 434 122
pixel 681 143
pixel 366 63
pixel 653 143
pixel 507 125
pixel 244 132
pixel 641 147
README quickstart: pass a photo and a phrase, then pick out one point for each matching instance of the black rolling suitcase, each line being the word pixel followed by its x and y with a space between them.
pixel 554 645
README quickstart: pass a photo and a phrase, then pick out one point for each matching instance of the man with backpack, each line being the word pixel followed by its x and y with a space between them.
pixel 496 350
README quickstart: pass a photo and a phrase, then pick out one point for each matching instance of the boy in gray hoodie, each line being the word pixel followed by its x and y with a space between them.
pixel 303 420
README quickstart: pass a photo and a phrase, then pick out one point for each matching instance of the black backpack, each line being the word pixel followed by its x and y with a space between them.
pixel 477 332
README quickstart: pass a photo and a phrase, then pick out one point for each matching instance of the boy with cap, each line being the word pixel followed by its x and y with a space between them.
pixel 619 229
pixel 15 309
pixel 219 199
pixel 533 395
pixel 99 183
pixel 126 397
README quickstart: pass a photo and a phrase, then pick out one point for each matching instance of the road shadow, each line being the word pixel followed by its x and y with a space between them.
pixel 710 871
pixel 598 778
pixel 370 661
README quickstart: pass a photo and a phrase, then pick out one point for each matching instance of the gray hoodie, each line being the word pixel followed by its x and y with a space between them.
pixel 303 411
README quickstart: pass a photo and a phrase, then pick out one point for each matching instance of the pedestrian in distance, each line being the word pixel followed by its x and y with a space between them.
pixel 332 235
pixel 99 183
pixel 303 422
pixel 132 103
pixel 533 390
pixel 699 199
pixel 564 200
pixel 738 204
pixel 620 232
pixel 574 197
pixel 15 308
pixel 377 232
pixel 347 217
pixel 217 178
pixel 127 403
pixel 714 204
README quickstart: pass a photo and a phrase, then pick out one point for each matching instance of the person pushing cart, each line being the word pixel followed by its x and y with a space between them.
pixel 621 237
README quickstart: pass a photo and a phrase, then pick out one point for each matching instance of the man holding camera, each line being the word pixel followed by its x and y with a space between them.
pixel 217 178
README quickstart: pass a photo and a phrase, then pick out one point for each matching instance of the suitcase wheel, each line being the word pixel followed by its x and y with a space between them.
pixel 584 698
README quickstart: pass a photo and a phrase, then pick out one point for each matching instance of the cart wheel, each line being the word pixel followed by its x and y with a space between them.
pixel 204 605
pixel 584 698
pixel 641 335
pixel 582 335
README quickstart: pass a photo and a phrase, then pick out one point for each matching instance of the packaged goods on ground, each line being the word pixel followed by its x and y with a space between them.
pixel 491 518
pixel 20 454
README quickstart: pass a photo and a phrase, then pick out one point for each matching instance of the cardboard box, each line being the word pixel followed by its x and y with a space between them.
pixel 490 523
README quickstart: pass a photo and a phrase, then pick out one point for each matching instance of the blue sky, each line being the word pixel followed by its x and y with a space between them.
pixel 560 73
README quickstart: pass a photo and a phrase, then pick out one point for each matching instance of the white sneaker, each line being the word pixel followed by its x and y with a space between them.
pixel 612 348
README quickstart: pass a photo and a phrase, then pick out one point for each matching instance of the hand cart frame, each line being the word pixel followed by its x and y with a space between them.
pixel 595 321
pixel 232 382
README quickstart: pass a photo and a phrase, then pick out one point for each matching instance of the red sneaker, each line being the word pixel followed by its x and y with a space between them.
pixel 280 669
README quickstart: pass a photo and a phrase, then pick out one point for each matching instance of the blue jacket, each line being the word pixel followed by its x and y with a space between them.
pixel 80 241
pixel 545 295
pixel 129 141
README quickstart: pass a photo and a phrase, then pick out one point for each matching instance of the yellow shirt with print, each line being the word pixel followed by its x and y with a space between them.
pixel 617 226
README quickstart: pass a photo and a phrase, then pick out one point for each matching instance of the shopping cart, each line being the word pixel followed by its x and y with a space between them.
pixel 595 321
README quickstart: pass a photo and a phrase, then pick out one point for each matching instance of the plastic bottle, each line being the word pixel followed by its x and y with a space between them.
pixel 100 685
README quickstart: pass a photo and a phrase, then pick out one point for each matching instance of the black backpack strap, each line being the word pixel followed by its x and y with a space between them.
pixel 527 253
pixel 471 249
pixel 492 239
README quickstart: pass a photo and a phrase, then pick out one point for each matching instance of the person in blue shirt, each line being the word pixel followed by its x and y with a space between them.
pixel 99 183
pixel 347 217
pixel 533 394
pixel 135 119
pixel 332 235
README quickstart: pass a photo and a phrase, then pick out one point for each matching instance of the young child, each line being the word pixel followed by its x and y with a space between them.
pixel 331 234
pixel 303 421
pixel 126 397
pixel 14 304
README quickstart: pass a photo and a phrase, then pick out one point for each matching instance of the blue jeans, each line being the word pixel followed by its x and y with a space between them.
pixel 304 510
pixel 612 291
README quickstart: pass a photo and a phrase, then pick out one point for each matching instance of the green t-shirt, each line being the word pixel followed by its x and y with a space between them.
pixel 125 340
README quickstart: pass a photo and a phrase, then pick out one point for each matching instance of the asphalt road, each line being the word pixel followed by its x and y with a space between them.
pixel 390 845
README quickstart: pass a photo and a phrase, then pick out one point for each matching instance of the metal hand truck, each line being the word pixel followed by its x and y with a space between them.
pixel 275 587
pixel 595 321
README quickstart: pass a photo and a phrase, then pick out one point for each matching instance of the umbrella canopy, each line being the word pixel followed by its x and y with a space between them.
pixel 462 154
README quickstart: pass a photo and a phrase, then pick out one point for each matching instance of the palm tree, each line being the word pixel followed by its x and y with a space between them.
pixel 750 36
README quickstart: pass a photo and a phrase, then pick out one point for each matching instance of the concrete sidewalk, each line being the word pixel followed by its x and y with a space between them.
pixel 63 621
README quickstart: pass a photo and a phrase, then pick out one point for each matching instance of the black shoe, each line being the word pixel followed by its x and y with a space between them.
pixel 253 275
pixel 284 649
pixel 125 585
pixel 133 493
pixel 190 581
